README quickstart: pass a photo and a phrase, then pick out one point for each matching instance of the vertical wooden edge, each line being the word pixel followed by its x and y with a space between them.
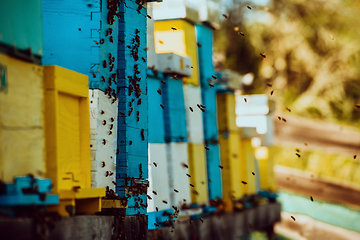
pixel 85 154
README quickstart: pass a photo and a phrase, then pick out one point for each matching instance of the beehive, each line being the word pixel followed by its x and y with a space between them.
pixel 68 140
pixel 213 171
pixel 266 169
pixel 197 169
pixel 226 116
pixel 247 159
pixel 181 41
pixel 194 118
pixel 22 148
pixel 103 141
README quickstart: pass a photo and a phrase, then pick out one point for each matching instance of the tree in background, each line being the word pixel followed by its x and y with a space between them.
pixel 312 50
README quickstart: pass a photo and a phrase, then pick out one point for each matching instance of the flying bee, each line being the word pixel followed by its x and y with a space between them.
pixel 253 173
pixel 242 34
pixel 107 174
pixel 269 84
pixel 279 118
pixel 121 113
pixel 102 164
pixel 110 132
pixel 305 144
pixel 155 164
pixel 297 154
pixel 198 44
pixel 288 109
pixel 154 192
pixel 213 76
pixel 112 119
pixel 203 106
pixel 243 182
pixel 192 185
pixel 161 42
pixel 148 16
pixel 114 183
pixel 191 67
pixel 111 173
pixel 191 109
pixel 195 192
pixel 184 165
pixel 174 77
pixel 94 75
pixel 284 120
pixel 207 148
pixel 248 7
pixel 162 106
pixel 130 142
pixel 149 197
pixel 159 91
pixel 311 198
pixel 272 92
pixel 354 156
pixel 245 99
pixel 202 220
pixel 165 202
pixel 104 141
pixel 104 122
pixel 297 150
pixel 176 191
pixel 211 85
pixel 331 37
pixel 293 218
pixel 263 55
pixel 225 16
pixel 188 175
pixel 163 82
pixel 156 224
pixel 221 167
pixel 173 28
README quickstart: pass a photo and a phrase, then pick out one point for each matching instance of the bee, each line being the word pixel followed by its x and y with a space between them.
pixel 130 142
pixel 213 76
pixel 242 34
pixel 279 118
pixel 202 220
pixel 195 192
pixel 191 109
pixel 357 106
pixel 163 82
pixel 112 119
pixel 354 156
pixel 104 141
pixel 156 224
pixel 203 106
pixel 173 229
pixel 207 148
pixel 173 28
pixel 159 91
pixel 111 38
pixel 192 185
pixel 104 64
pixel 188 175
pixel 245 99
pixel 154 192
pixel 174 77
pixel 102 112
pixel 110 132
pixel 145 48
pixel 272 92
pixel 198 44
pixel 102 41
pixel 149 197
pixel 211 85
pixel 288 109
pixel 121 41
pixel 221 167
pixel 243 182
pixel 311 198
pixel 144 59
pixel 202 182
pixel 269 84
pixel 293 218
pixel 263 55
pixel 165 202
pixel 128 46
pixel 297 154
pixel 176 191
pixel 331 37
pixel 184 165
pixel 157 209
pixel 121 113
pixel 248 7
pixel 104 122
pixel 149 17
pixel 155 164
pixel 102 164
pixel 190 221
pixel 191 67
pixel 111 173
pixel 284 120
pixel 102 78
pixel 225 16
pixel 162 106
pixel 161 42
pixel 210 180
pixel 114 183
pixel 142 134
pixel 117 151
pixel 305 144
pixel 297 150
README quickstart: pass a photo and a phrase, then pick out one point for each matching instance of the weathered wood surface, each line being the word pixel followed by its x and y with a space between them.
pixel 227 226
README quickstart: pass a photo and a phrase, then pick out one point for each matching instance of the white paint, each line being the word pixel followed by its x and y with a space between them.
pixel 194 120
pixel 99 152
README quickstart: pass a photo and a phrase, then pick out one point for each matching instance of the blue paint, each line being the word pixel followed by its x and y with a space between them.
pixel 27 191
pixel 72 36
pixel 213 171
pixel 204 35
pixel 174 112
pixel 158 218
pixel 133 115
pixel 156 113
pixel 21 26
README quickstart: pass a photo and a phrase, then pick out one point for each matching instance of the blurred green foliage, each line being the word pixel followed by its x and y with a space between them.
pixel 312 50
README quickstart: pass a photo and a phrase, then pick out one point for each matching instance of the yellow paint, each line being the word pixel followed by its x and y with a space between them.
pixel 61 207
pixel 266 170
pixel 182 42
pixel 247 161
pixel 232 168
pixel 197 170
pixel 110 203
pixel 22 141
pixel 68 135
pixel 226 112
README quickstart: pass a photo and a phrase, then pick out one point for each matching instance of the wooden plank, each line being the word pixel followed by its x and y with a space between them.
pixel 22 148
